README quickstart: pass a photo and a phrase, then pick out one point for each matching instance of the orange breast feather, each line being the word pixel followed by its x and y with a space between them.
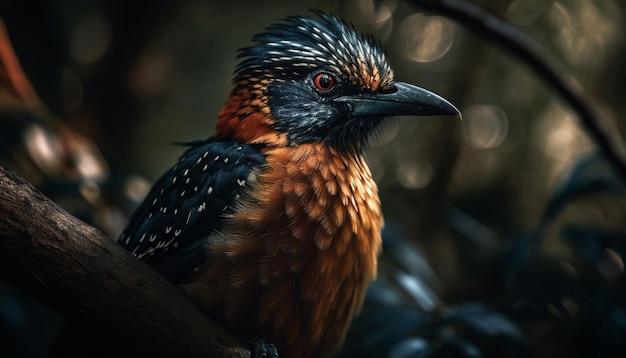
pixel 295 260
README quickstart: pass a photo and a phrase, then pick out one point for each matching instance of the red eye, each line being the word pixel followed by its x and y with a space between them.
pixel 324 81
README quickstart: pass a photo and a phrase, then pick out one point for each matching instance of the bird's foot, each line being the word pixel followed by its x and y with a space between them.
pixel 262 348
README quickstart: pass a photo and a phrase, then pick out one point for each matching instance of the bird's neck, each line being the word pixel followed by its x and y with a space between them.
pixel 246 118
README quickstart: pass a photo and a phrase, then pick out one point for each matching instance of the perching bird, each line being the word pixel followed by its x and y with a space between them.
pixel 273 224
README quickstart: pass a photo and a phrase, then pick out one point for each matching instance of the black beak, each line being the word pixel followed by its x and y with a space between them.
pixel 406 99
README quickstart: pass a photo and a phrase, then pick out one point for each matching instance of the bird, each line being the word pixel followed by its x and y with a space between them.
pixel 272 225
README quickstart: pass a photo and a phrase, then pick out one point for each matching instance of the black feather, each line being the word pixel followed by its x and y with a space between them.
pixel 302 44
pixel 188 203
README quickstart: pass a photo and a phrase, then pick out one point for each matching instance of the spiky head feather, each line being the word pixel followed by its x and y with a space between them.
pixel 300 45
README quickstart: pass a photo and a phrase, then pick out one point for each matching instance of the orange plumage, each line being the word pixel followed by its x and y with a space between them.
pixel 303 248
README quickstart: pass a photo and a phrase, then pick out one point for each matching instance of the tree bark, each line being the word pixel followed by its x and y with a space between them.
pixel 76 270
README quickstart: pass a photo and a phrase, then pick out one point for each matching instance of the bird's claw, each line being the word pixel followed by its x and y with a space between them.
pixel 262 348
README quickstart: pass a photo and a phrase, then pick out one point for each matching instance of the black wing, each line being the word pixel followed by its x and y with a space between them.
pixel 187 204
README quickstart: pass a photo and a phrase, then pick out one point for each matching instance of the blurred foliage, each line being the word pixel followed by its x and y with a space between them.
pixel 556 291
pixel 505 233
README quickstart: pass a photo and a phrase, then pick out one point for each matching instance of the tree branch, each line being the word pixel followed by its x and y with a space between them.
pixel 517 44
pixel 75 269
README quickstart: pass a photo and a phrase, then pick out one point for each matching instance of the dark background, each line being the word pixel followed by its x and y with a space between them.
pixel 509 208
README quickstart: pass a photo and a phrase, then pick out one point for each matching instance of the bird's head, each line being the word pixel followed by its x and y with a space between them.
pixel 309 80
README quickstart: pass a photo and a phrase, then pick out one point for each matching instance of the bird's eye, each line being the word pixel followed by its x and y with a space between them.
pixel 324 81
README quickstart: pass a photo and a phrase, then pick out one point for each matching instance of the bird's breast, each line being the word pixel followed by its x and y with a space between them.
pixel 303 245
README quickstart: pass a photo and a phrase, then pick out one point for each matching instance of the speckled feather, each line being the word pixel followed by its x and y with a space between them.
pixel 187 204
pixel 301 44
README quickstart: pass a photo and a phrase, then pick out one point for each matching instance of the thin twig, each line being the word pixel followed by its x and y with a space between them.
pixel 521 47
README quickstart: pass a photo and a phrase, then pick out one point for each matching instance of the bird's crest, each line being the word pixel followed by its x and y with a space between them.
pixel 301 44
